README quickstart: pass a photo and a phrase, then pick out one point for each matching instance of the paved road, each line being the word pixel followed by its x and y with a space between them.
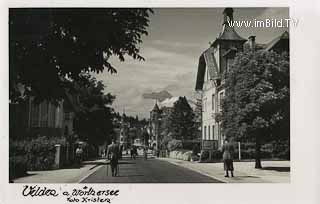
pixel 148 171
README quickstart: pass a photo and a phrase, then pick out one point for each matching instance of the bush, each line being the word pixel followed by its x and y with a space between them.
pixel 190 145
pixel 181 155
pixel 195 158
pixel 272 150
pixel 18 166
pixel 174 145
pixel 34 154
pixel 216 155
pixel 195 149
pixel 204 155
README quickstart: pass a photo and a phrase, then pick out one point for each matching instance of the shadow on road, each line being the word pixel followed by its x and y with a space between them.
pixel 239 177
pixel 137 175
pixel 277 168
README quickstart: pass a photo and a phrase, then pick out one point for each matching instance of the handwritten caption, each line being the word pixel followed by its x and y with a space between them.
pixel 76 195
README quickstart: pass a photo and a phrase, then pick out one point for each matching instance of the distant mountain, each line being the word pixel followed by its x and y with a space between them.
pixel 162 95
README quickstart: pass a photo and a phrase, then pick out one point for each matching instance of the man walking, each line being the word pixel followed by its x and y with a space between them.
pixel 228 151
pixel 113 156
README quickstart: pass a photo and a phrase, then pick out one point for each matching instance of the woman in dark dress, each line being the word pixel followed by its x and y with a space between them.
pixel 227 150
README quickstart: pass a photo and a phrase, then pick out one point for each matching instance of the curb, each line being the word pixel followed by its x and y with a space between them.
pixel 94 168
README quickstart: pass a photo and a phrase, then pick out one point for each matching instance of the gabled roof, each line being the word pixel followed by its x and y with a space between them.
pixel 228 33
pixel 169 102
pixel 156 108
pixel 274 42
pixel 208 60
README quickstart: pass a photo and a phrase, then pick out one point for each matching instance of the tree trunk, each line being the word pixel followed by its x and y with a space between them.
pixel 258 160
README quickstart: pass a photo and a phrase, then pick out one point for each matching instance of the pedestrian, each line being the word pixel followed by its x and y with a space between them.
pixel 131 152
pixel 113 157
pixel 135 152
pixel 120 151
pixel 227 150
pixel 145 153
pixel 79 153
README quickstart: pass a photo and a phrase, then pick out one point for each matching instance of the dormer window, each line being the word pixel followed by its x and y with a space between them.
pixel 229 63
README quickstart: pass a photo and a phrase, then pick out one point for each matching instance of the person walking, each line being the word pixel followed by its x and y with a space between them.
pixel 227 150
pixel 120 151
pixel 79 153
pixel 113 157
pixel 134 152
pixel 145 153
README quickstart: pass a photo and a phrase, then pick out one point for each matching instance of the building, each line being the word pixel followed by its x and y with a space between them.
pixel 30 119
pixel 213 63
pixel 154 126
pixel 160 119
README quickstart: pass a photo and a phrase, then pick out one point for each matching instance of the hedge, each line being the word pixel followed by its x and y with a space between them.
pixel 31 155
pixel 273 150
pixel 181 155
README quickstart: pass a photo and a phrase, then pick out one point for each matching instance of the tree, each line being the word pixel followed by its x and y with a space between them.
pixel 49 45
pixel 182 124
pixel 256 106
pixel 94 116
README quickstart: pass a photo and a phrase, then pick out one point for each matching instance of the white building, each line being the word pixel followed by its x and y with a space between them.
pixel 213 63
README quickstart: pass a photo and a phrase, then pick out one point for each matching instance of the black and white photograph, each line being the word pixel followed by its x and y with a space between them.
pixel 149 95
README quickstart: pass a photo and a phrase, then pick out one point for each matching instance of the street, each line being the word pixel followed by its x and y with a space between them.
pixel 148 171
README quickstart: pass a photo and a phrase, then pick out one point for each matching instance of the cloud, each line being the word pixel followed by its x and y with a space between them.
pixel 162 95
pixel 162 69
pixel 176 44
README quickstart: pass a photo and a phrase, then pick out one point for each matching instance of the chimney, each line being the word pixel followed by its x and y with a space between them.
pixel 252 42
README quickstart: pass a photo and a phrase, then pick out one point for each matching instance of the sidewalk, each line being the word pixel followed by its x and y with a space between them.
pixel 272 171
pixel 67 175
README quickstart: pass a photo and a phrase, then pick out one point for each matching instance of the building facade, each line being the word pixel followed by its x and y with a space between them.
pixel 213 63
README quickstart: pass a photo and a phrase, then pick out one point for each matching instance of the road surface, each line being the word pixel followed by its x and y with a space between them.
pixel 148 171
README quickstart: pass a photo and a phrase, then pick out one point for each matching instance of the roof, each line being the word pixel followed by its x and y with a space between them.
pixel 208 60
pixel 169 102
pixel 156 108
pixel 274 42
pixel 228 33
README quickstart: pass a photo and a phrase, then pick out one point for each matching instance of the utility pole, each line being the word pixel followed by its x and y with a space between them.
pixel 239 146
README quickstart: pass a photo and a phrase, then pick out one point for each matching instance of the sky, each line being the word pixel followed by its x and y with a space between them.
pixel 177 37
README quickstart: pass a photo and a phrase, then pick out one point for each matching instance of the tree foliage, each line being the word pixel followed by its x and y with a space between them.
pixel 94 116
pixel 47 46
pixel 256 106
pixel 182 124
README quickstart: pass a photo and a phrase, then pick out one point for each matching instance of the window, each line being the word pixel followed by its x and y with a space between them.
pixel 52 115
pixel 45 114
pixel 204 132
pixel 213 102
pixel 229 63
pixel 213 132
pixel 209 132
pixel 34 115
pixel 205 104
pixel 220 100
